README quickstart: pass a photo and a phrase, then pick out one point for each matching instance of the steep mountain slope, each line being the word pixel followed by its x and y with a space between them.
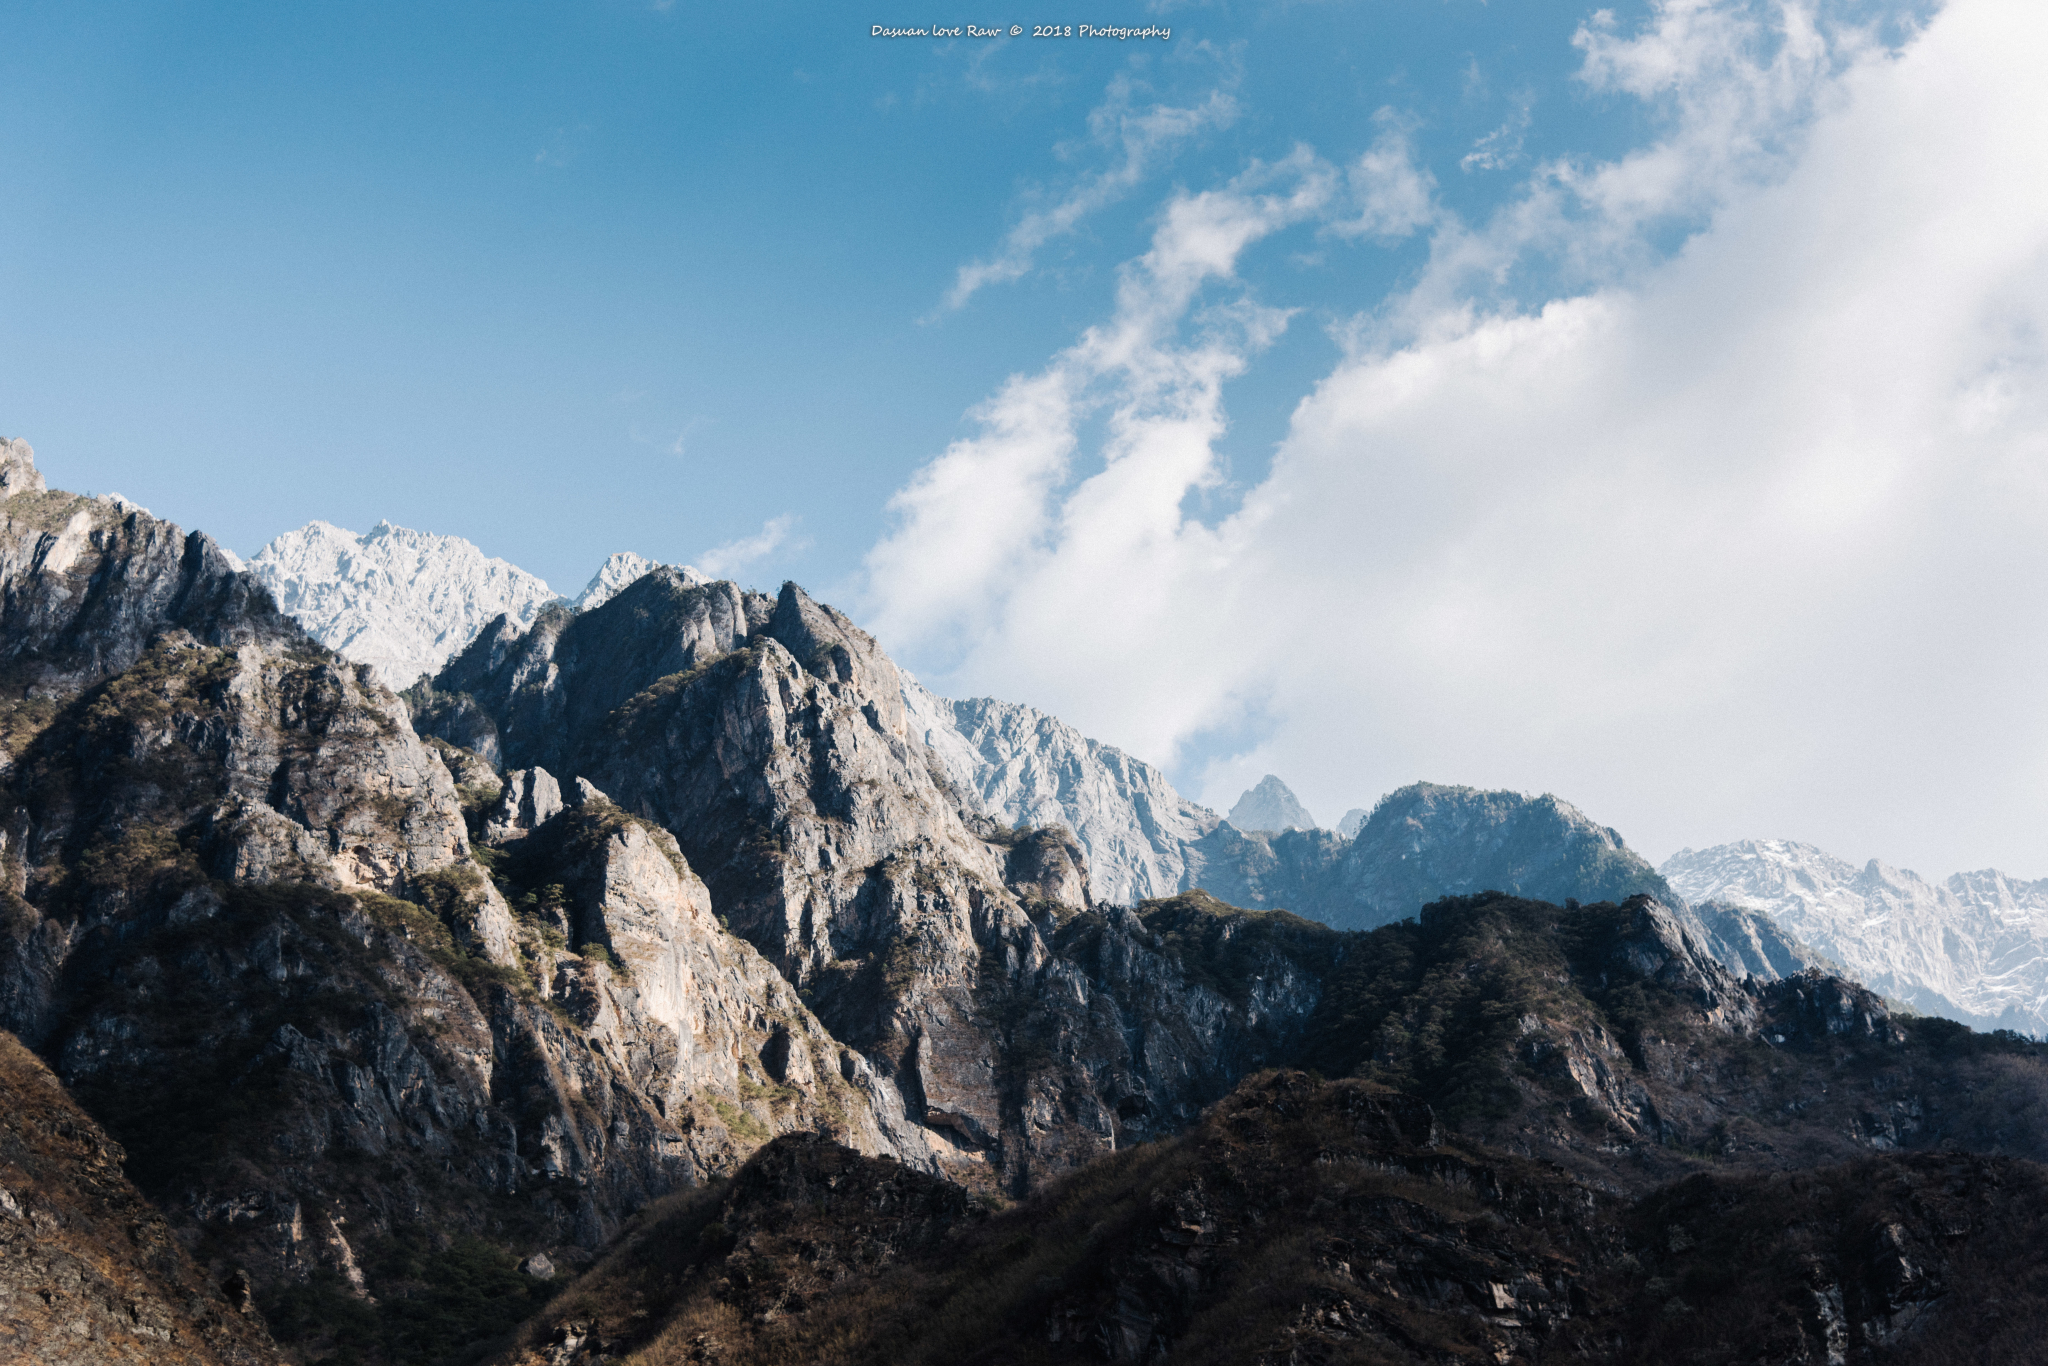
pixel 1973 948
pixel 1270 806
pixel 401 601
pixel 245 921
pixel 1029 768
pixel 399 1008
pixel 88 1269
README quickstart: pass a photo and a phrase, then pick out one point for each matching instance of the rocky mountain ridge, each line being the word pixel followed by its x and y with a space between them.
pixel 1972 948
pixel 406 602
pixel 1632 1156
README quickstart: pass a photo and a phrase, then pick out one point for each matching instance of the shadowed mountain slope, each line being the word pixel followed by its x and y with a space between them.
pixel 1319 1221
pixel 89 1270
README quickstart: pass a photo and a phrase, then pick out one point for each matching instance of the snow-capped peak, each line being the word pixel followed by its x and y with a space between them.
pixel 400 600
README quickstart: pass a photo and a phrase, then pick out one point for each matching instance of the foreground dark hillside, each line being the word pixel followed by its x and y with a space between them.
pixel 1311 1221
pixel 89 1270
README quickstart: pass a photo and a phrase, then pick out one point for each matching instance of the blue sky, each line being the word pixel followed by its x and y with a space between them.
pixel 1641 403
pixel 486 268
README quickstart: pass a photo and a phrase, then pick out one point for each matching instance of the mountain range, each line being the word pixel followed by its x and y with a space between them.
pixel 666 980
pixel 1970 949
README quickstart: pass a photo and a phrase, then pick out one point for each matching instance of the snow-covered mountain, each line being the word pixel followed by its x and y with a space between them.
pixel 1031 768
pixel 1973 948
pixel 403 601
pixel 1270 806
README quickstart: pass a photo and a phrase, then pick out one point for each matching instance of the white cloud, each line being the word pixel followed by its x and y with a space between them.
pixel 1138 138
pixel 737 554
pixel 1394 197
pixel 1501 148
pixel 1745 540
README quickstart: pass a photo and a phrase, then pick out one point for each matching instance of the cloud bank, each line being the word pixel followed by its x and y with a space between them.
pixel 1745 538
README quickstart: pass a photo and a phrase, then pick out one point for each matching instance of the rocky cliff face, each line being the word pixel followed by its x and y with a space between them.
pixel 1973 948
pixel 958 961
pixel 250 922
pixel 401 601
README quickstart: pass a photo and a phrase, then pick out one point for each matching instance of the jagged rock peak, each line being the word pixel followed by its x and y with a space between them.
pixel 18 472
pixel 1354 819
pixel 622 571
pixel 1973 948
pixel 1270 806
pixel 402 601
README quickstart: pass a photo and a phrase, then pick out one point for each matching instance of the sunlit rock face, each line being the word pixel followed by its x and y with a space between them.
pixel 959 960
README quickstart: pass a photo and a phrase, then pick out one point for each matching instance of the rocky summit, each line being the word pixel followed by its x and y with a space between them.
pixel 674 980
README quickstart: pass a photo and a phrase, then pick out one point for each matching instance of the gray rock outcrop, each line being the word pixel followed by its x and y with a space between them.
pixel 18 472
pixel 529 799
pixel 243 916
pixel 953 958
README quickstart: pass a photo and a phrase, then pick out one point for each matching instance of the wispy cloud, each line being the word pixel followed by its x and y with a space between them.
pixel 560 147
pixel 1500 149
pixel 1137 137
pixel 737 554
pixel 1392 197
pixel 979 528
